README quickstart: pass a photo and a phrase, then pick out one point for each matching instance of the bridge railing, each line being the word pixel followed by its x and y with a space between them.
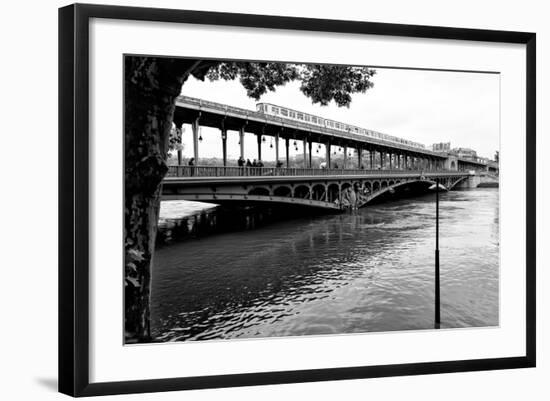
pixel 234 171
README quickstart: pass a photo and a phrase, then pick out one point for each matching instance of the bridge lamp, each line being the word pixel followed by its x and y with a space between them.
pixel 200 134
pixel 263 138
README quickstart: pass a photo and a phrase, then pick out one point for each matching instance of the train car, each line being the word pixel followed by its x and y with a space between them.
pixel 299 116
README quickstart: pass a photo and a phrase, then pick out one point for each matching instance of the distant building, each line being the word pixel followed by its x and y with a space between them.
pixel 441 147
pixel 465 153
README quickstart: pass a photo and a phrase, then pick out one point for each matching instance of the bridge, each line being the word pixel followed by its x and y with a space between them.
pixel 384 167
pixel 319 188
pixel 371 152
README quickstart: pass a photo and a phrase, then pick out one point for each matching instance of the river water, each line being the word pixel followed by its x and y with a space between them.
pixel 370 270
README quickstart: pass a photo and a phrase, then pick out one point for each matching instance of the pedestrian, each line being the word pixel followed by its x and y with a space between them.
pixel 191 164
pixel 240 161
pixel 248 164
pixel 260 163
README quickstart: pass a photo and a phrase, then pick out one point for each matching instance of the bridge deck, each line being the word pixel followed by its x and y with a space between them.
pixel 321 188
pixel 253 174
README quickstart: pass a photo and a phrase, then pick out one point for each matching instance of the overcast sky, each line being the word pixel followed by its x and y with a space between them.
pixel 423 106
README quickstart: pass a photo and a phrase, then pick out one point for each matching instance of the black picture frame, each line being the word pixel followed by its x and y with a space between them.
pixel 74 198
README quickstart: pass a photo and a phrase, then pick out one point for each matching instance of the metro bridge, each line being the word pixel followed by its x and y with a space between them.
pixel 319 188
pixel 371 152
pixel 384 166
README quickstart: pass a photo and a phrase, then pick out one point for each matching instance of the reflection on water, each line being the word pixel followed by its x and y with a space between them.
pixel 367 271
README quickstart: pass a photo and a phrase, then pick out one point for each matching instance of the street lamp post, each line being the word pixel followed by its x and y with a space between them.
pixel 437 292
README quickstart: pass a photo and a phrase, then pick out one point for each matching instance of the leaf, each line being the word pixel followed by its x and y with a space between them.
pixel 133 281
pixel 134 255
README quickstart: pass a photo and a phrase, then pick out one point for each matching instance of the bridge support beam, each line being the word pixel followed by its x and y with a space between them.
pixel 259 140
pixel 277 149
pixel 310 146
pixel 196 127
pixel 391 157
pixel 371 157
pixel 345 157
pixel 241 140
pixel 305 153
pixel 359 157
pixel 287 144
pixel 224 146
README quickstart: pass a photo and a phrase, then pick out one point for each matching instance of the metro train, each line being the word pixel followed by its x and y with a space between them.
pixel 284 112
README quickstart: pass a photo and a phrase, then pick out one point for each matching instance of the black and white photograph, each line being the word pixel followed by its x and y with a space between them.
pixel 283 199
pixel 288 200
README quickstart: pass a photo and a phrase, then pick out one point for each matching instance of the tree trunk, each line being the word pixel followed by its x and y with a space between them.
pixel 151 88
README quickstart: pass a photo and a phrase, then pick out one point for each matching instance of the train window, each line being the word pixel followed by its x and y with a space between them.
pixel 275 110
pixel 300 116
pixel 284 112
pixel 265 108
pixel 306 117
pixel 259 107
pixel 314 119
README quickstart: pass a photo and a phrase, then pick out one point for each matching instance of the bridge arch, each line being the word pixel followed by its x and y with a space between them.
pixel 302 191
pixel 263 191
pixel 451 184
pixel 318 191
pixel 282 190
pixel 333 192
pixel 384 189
